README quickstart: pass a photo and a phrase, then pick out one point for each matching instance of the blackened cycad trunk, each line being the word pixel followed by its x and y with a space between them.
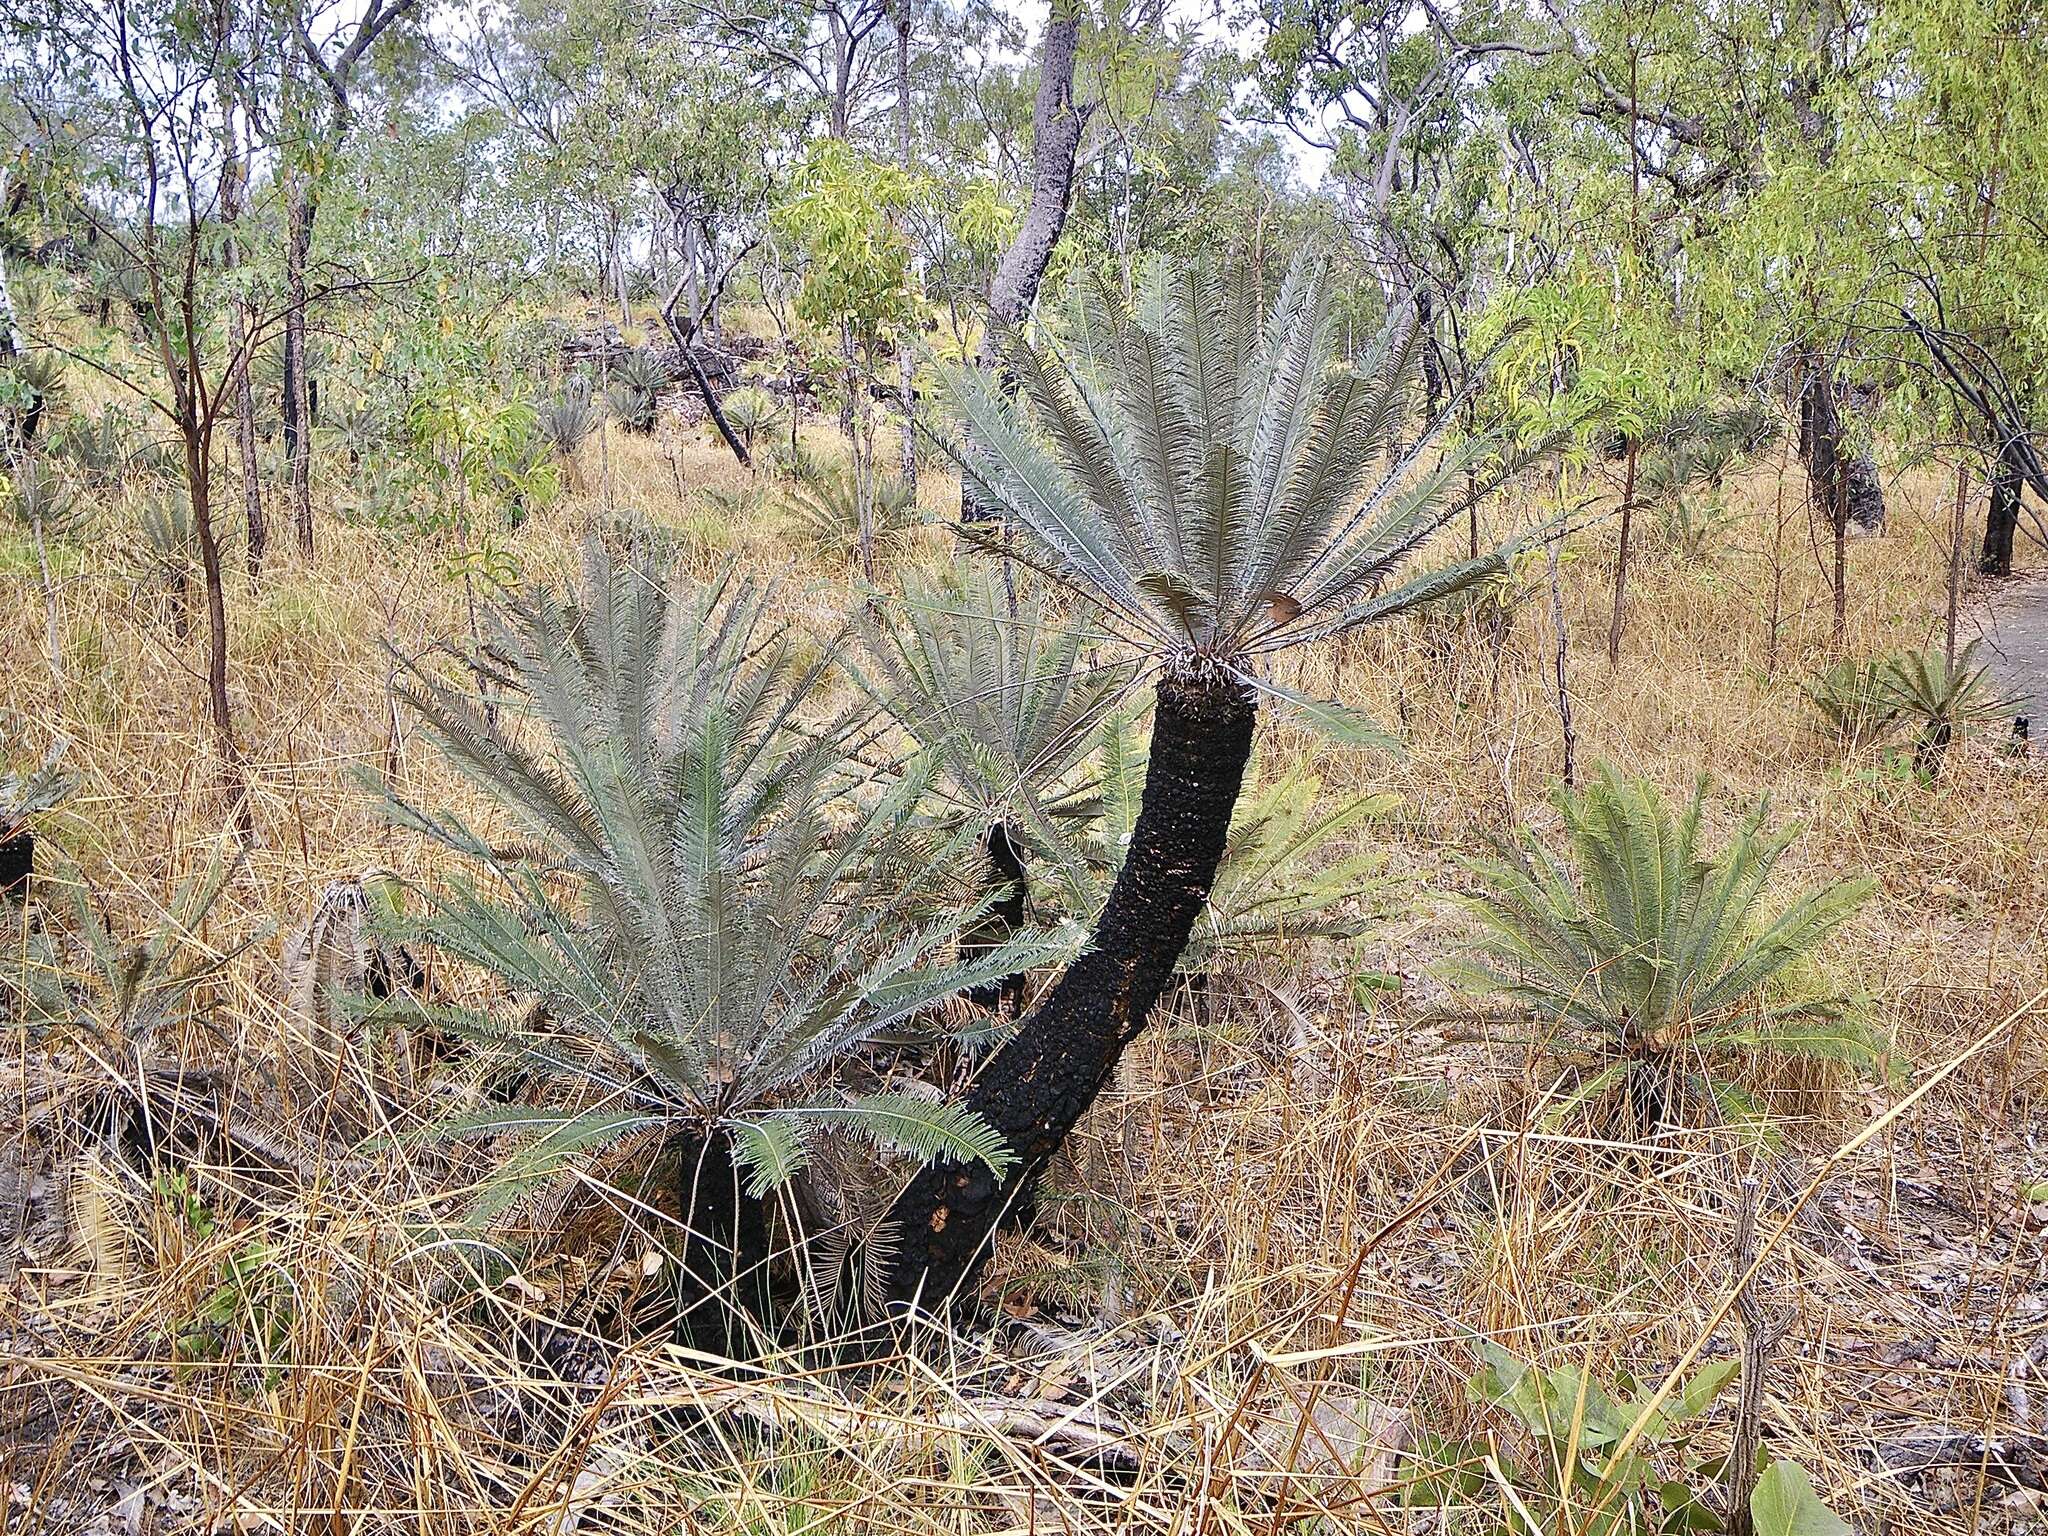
pixel 1038 1086
pixel 722 1279
pixel 1010 881
pixel 17 863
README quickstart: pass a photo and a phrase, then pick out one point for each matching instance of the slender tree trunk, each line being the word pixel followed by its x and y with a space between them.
pixel 10 333
pixel 1056 125
pixel 1628 510
pixel 199 486
pixel 298 415
pixel 1036 1088
pixel 234 186
pixel 906 357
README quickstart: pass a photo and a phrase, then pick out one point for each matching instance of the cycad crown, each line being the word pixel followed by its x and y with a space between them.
pixel 1653 942
pixel 1007 702
pixel 1220 485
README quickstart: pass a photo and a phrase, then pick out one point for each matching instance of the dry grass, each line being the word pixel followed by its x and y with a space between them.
pixel 1272 1244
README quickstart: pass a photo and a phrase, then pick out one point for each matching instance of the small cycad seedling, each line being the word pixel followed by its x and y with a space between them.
pixel 1657 958
pixel 1944 697
pixel 633 394
pixel 824 510
pixel 1938 697
pixel 25 794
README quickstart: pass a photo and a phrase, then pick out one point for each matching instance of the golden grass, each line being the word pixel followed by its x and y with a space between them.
pixel 1270 1249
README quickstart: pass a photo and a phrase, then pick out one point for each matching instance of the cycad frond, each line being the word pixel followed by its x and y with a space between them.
pixel 1218 485
pixel 1007 703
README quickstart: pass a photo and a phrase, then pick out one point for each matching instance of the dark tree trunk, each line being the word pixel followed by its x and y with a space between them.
pixel 17 864
pixel 1841 479
pixel 1036 1088
pixel 1056 124
pixel 723 1279
pixel 298 441
pixel 1007 875
pixel 2002 518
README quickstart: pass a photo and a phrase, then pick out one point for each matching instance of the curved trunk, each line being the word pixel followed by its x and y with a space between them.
pixel 1038 1086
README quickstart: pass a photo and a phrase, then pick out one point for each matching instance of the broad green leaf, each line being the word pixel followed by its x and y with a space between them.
pixel 1784 1504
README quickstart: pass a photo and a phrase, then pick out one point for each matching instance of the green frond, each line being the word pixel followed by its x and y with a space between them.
pixel 1217 483
pixel 1644 939
pixel 929 1130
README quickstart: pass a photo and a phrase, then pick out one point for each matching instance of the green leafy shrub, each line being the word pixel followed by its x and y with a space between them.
pixel 1597 1459
pixel 1658 959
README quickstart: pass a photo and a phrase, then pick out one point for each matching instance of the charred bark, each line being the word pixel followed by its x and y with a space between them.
pixel 1841 479
pixel 1008 876
pixel 1037 1086
pixel 723 1270
pixel 17 864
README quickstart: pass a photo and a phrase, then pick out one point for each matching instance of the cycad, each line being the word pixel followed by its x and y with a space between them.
pixel 751 410
pixel 824 506
pixel 1006 703
pixel 1662 957
pixel 734 940
pixel 564 421
pixel 25 794
pixel 1281 879
pixel 633 394
pixel 1945 696
pixel 1220 485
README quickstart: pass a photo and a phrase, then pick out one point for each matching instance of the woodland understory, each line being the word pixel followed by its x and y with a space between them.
pixel 855 767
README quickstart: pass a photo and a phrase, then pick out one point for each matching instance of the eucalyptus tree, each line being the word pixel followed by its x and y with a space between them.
pixel 1221 489
pixel 125 99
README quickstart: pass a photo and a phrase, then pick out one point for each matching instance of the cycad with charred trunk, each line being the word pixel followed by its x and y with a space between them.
pixel 1006 704
pixel 1220 484
pixel 736 935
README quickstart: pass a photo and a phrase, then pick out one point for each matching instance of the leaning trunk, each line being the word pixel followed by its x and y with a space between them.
pixel 1036 1088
